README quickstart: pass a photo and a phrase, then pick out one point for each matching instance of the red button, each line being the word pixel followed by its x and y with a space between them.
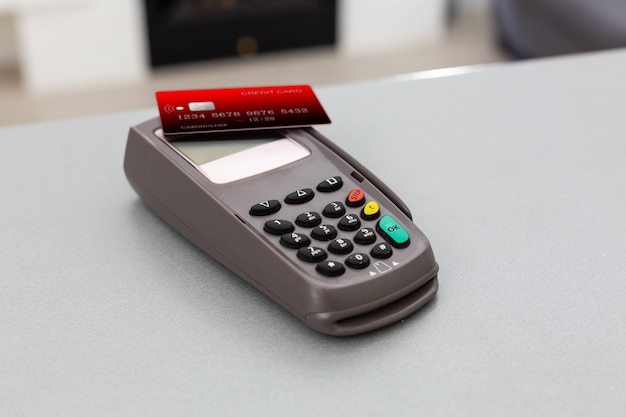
pixel 356 198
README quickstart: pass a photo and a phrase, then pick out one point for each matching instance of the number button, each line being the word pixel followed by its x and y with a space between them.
pixel 309 219
pixel 334 210
pixel 349 223
pixel 294 240
pixel 356 198
pixel 330 268
pixel 324 232
pixel 312 254
pixel 358 261
pixel 371 211
pixel 300 196
pixel 365 236
pixel 340 246
pixel 382 251
pixel 278 227
pixel 265 208
pixel 330 184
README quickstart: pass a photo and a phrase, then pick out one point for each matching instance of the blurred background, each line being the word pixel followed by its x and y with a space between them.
pixel 66 58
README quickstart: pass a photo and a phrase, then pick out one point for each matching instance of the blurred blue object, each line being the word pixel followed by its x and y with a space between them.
pixel 536 28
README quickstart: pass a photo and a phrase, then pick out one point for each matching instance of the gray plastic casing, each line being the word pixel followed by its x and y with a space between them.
pixel 216 218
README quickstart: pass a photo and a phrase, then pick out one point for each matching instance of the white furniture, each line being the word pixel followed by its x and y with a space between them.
pixel 77 44
pixel 515 173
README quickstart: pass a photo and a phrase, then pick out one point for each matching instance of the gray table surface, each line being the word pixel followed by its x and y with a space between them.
pixel 515 173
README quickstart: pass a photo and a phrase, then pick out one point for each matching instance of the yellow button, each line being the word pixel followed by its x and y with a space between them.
pixel 370 211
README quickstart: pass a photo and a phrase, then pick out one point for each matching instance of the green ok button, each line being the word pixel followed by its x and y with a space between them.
pixel 393 232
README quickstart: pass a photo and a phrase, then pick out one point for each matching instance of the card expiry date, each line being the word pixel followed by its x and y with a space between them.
pixel 226 109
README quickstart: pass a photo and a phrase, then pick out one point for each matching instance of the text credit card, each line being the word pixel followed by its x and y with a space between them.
pixel 239 108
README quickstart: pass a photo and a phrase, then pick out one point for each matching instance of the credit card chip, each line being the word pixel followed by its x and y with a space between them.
pixel 201 106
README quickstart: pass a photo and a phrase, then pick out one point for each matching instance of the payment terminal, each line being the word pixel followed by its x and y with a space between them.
pixel 293 214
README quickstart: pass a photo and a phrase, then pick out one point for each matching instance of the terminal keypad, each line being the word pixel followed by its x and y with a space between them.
pixel 350 230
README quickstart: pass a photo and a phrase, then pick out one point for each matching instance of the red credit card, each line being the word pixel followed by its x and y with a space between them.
pixel 239 108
